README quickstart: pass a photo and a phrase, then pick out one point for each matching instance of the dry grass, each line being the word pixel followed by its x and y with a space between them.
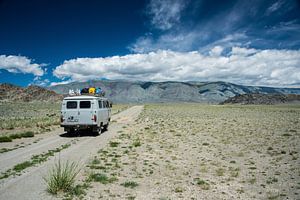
pixel 34 116
pixel 116 108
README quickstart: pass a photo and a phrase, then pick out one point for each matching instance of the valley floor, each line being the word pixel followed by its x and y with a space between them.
pixel 191 151
pixel 169 151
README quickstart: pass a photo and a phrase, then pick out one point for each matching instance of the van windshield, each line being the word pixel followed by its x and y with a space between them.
pixel 71 104
pixel 85 104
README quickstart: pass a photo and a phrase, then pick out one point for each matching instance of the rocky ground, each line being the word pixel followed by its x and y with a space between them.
pixel 190 151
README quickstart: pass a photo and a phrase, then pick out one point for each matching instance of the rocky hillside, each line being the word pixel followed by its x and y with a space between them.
pixel 267 99
pixel 9 92
pixel 141 92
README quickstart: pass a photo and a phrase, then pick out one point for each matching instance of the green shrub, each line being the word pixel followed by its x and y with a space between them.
pixel 113 144
pixel 5 139
pixel 136 143
pixel 102 178
pixel 130 184
pixel 15 136
pixel 61 177
pixel 27 134
pixel 203 184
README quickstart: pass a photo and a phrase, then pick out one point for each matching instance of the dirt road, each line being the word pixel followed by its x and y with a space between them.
pixel 30 184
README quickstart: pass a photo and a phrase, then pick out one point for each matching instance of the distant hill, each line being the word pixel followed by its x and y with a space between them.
pixel 267 99
pixel 9 92
pixel 143 92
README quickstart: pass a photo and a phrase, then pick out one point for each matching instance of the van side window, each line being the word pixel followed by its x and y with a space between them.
pixel 71 104
pixel 104 104
pixel 100 104
pixel 85 104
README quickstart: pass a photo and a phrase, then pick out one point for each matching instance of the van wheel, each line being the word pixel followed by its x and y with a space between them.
pixel 71 132
pixel 105 127
pixel 99 130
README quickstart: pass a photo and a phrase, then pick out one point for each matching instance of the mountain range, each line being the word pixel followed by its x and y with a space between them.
pixel 266 99
pixel 120 91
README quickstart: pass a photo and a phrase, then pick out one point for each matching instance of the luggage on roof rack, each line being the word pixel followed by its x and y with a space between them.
pixel 84 90
pixel 91 91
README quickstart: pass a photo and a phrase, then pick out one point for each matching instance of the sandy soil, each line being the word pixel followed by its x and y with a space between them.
pixel 30 184
pixel 192 151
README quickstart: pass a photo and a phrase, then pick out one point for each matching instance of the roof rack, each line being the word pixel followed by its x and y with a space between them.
pixel 78 93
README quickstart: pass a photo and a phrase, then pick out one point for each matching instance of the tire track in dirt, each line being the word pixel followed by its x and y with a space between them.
pixel 10 159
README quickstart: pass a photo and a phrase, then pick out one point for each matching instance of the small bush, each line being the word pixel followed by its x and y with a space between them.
pixel 15 136
pixel 178 190
pixel 27 134
pixel 95 161
pixel 61 177
pixel 130 184
pixel 203 184
pixel 136 143
pixel 79 190
pixel 113 144
pixel 102 178
pixel 5 139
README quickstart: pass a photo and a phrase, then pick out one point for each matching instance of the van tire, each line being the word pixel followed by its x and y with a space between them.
pixel 105 127
pixel 71 131
pixel 99 130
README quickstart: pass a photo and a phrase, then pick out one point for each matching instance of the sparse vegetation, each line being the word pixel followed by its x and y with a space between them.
pixel 3 150
pixel 35 159
pixel 238 151
pixel 21 166
pixel 33 115
pixel 11 137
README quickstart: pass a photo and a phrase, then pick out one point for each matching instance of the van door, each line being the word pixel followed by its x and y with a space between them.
pixel 71 112
pixel 101 112
pixel 107 111
pixel 85 112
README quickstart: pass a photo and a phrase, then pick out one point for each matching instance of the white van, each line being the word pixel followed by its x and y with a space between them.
pixel 85 112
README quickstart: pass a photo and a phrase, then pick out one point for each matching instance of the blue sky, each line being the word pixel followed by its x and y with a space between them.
pixel 252 42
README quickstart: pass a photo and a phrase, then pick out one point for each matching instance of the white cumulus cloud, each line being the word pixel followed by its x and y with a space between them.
pixel 216 51
pixel 241 65
pixel 20 64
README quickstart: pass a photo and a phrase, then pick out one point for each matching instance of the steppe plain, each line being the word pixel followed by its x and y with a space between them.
pixel 182 151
